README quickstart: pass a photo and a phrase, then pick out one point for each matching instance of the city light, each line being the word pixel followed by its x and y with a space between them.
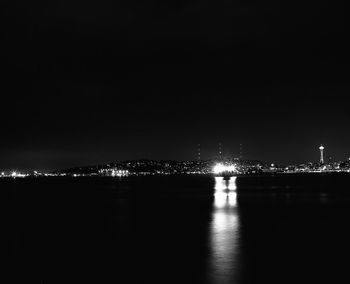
pixel 15 174
pixel 221 168
pixel 119 173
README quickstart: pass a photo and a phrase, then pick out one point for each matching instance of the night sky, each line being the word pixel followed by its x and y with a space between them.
pixel 89 82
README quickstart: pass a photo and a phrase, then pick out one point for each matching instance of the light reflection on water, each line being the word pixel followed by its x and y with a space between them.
pixel 224 232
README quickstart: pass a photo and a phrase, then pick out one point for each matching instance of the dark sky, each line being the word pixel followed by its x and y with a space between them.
pixel 87 82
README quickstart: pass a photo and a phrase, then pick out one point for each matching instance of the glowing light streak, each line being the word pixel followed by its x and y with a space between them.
pixel 232 185
pixel 220 184
pixel 225 232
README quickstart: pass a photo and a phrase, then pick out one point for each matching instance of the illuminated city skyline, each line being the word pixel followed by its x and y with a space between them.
pixel 221 155
pixel 219 166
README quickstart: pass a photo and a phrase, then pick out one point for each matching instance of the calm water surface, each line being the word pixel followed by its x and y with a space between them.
pixel 176 229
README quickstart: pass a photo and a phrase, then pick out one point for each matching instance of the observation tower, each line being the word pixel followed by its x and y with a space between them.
pixel 321 152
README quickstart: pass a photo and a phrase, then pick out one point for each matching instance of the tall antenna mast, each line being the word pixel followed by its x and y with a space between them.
pixel 199 152
pixel 220 152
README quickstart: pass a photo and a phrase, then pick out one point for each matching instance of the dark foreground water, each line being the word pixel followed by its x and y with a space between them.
pixel 289 229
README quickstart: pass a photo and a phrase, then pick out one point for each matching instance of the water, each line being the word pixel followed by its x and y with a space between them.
pixel 176 229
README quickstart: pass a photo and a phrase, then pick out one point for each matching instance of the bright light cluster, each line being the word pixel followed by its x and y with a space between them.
pixel 15 174
pixel 120 173
pixel 220 168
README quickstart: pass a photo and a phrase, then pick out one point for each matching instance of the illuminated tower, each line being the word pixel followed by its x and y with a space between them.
pixel 321 151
